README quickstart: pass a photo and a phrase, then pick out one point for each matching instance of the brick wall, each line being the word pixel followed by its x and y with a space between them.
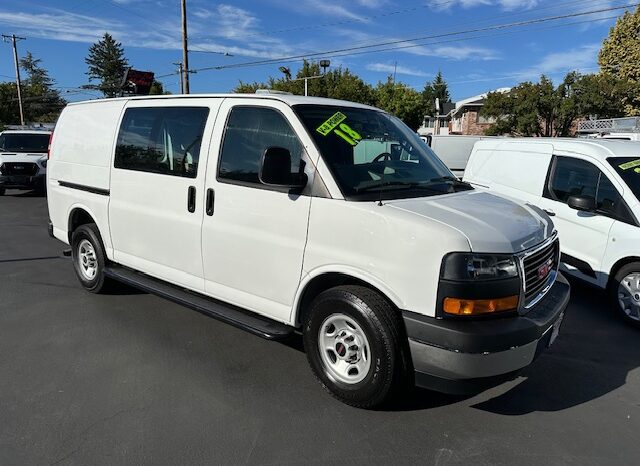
pixel 469 123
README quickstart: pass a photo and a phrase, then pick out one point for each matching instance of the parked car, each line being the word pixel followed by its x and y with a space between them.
pixel 454 150
pixel 281 213
pixel 23 159
pixel 591 188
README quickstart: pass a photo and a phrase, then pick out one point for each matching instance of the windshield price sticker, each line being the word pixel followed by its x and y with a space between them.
pixel 628 165
pixel 326 127
pixel 335 124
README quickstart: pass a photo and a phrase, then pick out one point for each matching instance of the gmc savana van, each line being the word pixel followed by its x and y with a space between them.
pixel 280 213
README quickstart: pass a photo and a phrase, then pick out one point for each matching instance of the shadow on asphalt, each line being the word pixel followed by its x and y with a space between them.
pixel 593 355
pixel 33 193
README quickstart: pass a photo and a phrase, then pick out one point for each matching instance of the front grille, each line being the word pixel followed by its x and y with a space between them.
pixel 18 168
pixel 534 265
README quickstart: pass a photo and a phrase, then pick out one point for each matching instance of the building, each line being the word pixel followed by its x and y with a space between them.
pixel 462 117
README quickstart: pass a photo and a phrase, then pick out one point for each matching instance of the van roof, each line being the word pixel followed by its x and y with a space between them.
pixel 597 148
pixel 288 99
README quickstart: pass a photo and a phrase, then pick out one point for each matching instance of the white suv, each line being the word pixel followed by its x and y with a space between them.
pixel 591 187
pixel 23 159
pixel 280 213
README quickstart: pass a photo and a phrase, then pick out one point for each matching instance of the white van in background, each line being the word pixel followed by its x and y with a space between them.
pixel 591 188
pixel 281 213
pixel 23 159
pixel 454 150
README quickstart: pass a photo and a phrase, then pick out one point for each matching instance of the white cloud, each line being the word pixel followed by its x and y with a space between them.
pixel 453 52
pixel 504 4
pixel 390 68
pixel 584 57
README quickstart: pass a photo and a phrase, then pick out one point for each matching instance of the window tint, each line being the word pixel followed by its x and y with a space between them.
pixel 573 177
pixel 250 131
pixel 24 142
pixel 162 140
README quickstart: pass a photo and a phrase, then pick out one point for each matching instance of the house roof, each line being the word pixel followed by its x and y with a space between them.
pixel 476 100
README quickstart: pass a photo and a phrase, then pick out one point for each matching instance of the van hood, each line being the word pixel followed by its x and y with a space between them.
pixel 490 223
pixel 21 156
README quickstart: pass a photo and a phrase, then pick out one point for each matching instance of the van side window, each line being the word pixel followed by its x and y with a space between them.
pixel 577 177
pixel 249 132
pixel 162 140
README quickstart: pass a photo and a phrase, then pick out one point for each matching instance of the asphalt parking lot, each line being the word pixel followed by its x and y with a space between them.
pixel 132 378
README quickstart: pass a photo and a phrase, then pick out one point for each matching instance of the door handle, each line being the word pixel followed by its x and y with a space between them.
pixel 549 212
pixel 209 203
pixel 191 199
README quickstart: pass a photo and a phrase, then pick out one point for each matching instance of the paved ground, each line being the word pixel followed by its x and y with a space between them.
pixel 132 378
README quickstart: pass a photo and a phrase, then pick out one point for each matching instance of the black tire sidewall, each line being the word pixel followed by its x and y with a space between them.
pixel 613 290
pixel 90 233
pixel 375 387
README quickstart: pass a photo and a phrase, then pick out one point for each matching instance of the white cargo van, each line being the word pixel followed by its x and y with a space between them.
pixel 454 150
pixel 23 159
pixel 280 213
pixel 591 187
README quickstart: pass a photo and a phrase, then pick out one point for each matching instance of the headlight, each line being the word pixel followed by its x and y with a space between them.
pixel 476 267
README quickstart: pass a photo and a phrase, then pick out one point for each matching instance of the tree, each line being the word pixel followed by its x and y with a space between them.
pixel 620 58
pixel 157 89
pixel 107 63
pixel 539 109
pixel 41 101
pixel 436 89
pixel 9 112
pixel 335 84
pixel 402 101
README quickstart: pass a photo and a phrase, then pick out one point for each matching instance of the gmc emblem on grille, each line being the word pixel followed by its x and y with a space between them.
pixel 544 269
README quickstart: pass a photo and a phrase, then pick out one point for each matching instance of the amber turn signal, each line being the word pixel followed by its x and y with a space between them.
pixel 472 307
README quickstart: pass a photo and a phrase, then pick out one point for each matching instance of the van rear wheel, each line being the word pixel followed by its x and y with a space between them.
pixel 89 258
pixel 352 337
pixel 625 292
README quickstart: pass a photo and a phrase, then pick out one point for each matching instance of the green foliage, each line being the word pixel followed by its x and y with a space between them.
pixel 158 89
pixel 341 83
pixel 41 102
pixel 404 102
pixel 540 109
pixel 107 63
pixel 619 58
pixel 438 88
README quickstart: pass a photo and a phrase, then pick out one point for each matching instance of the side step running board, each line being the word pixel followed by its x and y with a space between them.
pixel 238 317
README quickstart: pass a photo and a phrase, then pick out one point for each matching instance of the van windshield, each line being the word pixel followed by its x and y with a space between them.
pixel 629 170
pixel 373 155
pixel 24 142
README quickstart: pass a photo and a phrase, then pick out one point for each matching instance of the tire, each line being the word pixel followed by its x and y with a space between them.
pixel 624 293
pixel 2 191
pixel 89 258
pixel 347 316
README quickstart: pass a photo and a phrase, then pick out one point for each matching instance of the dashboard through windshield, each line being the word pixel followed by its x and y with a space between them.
pixel 373 155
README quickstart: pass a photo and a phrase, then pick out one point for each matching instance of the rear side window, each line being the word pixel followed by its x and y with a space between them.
pixel 250 131
pixel 163 140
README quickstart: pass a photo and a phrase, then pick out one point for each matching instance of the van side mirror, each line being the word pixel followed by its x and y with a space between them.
pixel 582 203
pixel 275 170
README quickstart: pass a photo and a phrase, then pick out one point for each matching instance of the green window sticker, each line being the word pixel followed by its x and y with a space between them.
pixel 628 165
pixel 637 170
pixel 328 126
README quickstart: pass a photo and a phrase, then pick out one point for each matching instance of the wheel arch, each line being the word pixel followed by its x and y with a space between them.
pixel 316 283
pixel 618 265
pixel 78 215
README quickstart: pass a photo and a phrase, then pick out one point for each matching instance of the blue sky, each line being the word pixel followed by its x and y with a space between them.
pixel 60 32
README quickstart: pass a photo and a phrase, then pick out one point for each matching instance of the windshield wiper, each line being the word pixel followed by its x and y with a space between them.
pixel 456 181
pixel 396 183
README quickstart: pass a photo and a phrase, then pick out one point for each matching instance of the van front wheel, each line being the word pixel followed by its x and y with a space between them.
pixel 88 257
pixel 625 292
pixel 352 337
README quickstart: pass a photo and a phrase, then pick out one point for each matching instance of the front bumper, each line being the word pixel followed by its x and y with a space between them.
pixel 458 356
pixel 22 181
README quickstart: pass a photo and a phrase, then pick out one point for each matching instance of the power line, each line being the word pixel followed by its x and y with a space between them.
pixel 400 41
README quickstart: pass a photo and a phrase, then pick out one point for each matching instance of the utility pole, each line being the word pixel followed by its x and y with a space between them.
pixel 181 73
pixel 185 51
pixel 15 38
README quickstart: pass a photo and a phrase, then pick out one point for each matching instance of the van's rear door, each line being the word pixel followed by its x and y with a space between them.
pixel 157 187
